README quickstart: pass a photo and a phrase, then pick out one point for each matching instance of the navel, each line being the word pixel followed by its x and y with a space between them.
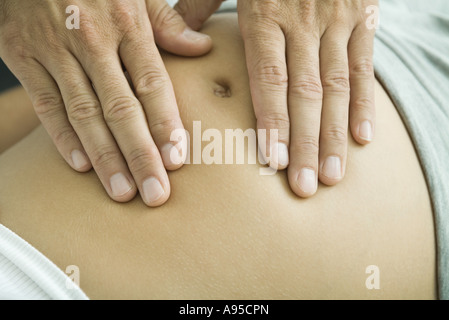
pixel 222 89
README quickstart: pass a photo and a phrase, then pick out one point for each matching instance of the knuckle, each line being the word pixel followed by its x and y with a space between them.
pixel 336 81
pixel 340 14
pixel 192 13
pixel 151 82
pixel 141 159
pixel 21 52
pixel 362 104
pixel 276 120
pixel 163 123
pixel 92 38
pixel 307 145
pixel 47 104
pixel 64 136
pixel 88 33
pixel 266 8
pixel 272 74
pixel 90 43
pixel 104 156
pixel 125 15
pixel 307 87
pixel 82 109
pixel 307 12
pixel 335 133
pixel 120 108
pixel 362 67
pixel 165 18
pixel 53 43
pixel 14 45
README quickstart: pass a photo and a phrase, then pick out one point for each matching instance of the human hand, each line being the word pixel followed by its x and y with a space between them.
pixel 77 85
pixel 310 69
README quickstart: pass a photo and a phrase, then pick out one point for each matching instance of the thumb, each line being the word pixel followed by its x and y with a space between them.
pixel 196 12
pixel 172 33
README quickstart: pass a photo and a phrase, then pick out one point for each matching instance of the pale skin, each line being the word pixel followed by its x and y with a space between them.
pixel 309 93
pixel 231 233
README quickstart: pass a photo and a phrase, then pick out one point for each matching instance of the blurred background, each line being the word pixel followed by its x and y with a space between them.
pixel 7 79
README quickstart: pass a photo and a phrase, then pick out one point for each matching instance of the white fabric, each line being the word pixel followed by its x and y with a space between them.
pixel 26 274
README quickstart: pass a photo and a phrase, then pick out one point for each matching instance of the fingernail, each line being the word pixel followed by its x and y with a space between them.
pixel 307 180
pixel 171 155
pixel 79 160
pixel 366 131
pixel 152 190
pixel 332 167
pixel 120 185
pixel 194 36
pixel 279 153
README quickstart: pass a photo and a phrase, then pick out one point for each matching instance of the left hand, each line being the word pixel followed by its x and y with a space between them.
pixel 309 63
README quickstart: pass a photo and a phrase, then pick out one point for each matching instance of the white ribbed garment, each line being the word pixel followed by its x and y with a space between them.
pixel 26 274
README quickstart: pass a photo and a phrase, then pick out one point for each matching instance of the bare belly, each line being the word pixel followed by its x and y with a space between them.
pixel 228 232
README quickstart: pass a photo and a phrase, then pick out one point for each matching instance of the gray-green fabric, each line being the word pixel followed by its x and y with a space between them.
pixel 411 59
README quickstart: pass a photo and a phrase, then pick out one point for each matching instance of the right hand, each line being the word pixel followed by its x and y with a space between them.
pixel 310 65
pixel 81 95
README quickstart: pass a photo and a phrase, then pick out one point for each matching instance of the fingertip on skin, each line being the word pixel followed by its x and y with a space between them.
pixel 79 161
pixel 153 193
pixel 121 188
pixel 173 156
pixel 196 37
pixel 331 171
pixel 187 42
pixel 364 132
pixel 279 158
pixel 199 43
pixel 304 183
pixel 327 181
pixel 191 43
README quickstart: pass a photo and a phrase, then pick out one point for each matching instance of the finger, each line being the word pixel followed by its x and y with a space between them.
pixel 265 56
pixel 85 115
pixel 154 90
pixel 305 102
pixel 196 12
pixel 126 120
pixel 362 111
pixel 49 107
pixel 172 33
pixel 334 116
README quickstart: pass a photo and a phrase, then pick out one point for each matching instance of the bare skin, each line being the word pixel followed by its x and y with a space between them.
pixel 17 119
pixel 229 232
